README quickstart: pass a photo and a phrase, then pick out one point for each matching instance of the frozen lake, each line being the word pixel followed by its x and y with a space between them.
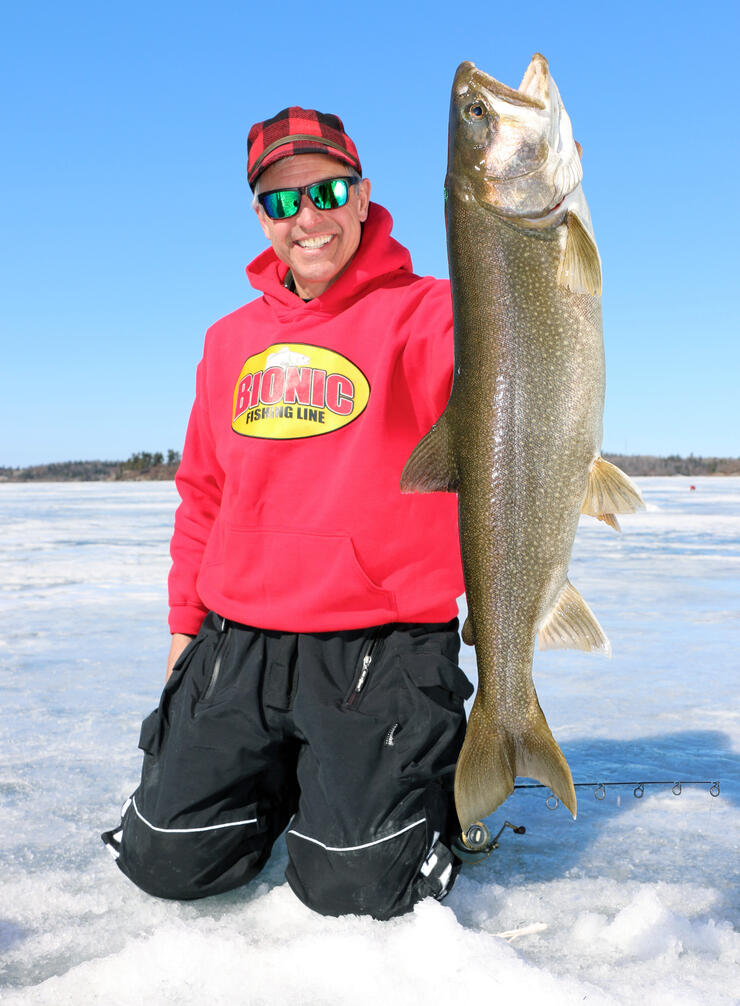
pixel 639 897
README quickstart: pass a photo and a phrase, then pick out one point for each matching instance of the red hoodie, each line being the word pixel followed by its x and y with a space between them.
pixel 305 414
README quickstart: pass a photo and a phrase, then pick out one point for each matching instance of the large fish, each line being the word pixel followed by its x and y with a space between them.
pixel 520 437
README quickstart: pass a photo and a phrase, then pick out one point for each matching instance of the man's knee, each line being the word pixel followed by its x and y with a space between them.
pixel 188 863
pixel 382 879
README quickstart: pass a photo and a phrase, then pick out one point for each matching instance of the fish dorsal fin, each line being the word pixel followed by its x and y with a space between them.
pixel 610 492
pixel 571 625
pixel 580 265
pixel 431 467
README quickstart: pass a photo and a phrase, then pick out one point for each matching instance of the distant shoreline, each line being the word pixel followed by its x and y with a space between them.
pixel 153 468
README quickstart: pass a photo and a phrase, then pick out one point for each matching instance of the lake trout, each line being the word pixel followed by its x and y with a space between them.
pixel 519 440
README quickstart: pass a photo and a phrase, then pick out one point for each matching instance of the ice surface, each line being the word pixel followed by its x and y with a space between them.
pixel 640 897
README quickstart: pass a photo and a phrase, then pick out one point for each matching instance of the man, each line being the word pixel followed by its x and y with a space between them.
pixel 312 676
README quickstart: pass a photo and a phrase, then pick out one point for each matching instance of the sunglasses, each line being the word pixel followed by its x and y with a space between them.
pixel 329 194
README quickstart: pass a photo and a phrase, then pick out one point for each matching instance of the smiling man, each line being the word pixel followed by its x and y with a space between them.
pixel 312 680
pixel 315 245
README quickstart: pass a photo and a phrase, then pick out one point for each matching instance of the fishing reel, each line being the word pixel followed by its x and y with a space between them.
pixel 475 843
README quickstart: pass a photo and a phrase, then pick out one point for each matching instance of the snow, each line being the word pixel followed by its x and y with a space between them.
pixel 638 900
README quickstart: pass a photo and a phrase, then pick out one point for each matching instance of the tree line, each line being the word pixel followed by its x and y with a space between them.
pixel 674 464
pixel 158 465
pixel 142 465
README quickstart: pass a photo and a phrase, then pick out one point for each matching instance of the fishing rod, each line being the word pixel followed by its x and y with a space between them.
pixel 638 791
pixel 475 844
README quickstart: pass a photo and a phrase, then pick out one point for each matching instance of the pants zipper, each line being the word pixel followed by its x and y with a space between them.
pixel 368 654
pixel 220 646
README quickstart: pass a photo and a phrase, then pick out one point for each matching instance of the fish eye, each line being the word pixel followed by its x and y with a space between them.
pixel 476 110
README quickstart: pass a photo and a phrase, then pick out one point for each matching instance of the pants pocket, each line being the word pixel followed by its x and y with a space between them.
pixel 432 726
pixel 150 737
pixel 152 727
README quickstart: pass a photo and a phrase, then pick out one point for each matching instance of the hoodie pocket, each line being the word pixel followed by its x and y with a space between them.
pixel 288 577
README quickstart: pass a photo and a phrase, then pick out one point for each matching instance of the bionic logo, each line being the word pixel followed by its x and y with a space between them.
pixel 291 390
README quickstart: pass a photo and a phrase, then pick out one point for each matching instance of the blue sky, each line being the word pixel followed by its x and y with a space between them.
pixel 126 216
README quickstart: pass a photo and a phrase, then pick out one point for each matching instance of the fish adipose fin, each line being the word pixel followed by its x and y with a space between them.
pixel 571 625
pixel 468 636
pixel 492 758
pixel 431 467
pixel 610 492
pixel 580 265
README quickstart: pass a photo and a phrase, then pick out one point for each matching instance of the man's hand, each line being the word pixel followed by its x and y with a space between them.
pixel 179 642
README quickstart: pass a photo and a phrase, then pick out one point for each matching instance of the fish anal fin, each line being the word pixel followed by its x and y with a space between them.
pixel 610 492
pixel 431 467
pixel 468 636
pixel 571 625
pixel 492 758
pixel 580 265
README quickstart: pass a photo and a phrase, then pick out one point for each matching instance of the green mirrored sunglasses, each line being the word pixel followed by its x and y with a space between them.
pixel 328 194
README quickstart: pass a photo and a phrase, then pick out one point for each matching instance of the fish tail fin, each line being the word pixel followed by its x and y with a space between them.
pixel 431 467
pixel 492 758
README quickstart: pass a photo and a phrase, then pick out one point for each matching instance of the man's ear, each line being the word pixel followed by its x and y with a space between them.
pixel 264 221
pixel 363 193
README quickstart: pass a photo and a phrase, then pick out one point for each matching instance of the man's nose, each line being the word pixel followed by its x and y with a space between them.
pixel 307 214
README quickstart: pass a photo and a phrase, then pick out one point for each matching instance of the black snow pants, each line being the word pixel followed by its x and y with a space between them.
pixel 350 738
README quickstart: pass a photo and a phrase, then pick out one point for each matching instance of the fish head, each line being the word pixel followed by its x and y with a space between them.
pixel 511 150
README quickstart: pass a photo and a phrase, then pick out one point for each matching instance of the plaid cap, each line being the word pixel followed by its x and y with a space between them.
pixel 298 130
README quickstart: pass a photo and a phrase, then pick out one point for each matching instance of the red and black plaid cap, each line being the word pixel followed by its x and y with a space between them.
pixel 298 130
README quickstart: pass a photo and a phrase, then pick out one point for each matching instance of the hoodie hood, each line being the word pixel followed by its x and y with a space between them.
pixel 378 257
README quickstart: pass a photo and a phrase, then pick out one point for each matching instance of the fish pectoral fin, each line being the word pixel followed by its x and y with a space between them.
pixel 580 265
pixel 610 492
pixel 468 636
pixel 571 625
pixel 431 467
pixel 493 756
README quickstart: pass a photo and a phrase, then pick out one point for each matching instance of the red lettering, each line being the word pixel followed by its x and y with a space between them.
pixel 318 383
pixel 340 394
pixel 240 405
pixel 256 385
pixel 273 382
pixel 298 385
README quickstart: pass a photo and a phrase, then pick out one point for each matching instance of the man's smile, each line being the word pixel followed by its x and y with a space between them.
pixel 315 242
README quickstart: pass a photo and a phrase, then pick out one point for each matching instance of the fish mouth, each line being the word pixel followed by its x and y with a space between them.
pixel 468 75
pixel 471 83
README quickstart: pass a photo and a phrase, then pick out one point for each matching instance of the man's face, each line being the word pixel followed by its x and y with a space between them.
pixel 316 244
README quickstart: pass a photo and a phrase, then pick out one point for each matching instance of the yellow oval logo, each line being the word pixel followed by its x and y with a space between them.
pixel 292 390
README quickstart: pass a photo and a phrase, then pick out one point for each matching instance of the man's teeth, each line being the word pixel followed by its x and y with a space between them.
pixel 317 242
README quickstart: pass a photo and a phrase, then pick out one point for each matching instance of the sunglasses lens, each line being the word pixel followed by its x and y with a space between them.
pixel 280 204
pixel 329 195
